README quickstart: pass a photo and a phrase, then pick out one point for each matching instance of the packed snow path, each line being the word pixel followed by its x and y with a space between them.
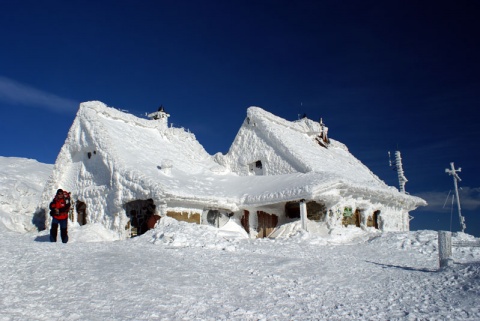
pixel 391 277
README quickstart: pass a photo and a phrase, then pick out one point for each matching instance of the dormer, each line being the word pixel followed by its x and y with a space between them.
pixel 160 115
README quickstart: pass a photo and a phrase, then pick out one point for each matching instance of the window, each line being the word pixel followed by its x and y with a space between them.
pixel 256 168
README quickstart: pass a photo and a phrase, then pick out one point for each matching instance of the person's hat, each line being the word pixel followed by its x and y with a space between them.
pixel 59 190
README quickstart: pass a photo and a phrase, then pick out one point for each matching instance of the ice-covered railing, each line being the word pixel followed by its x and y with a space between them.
pixel 100 109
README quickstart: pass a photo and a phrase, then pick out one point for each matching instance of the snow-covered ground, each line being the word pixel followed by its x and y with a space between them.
pixel 182 271
pixel 21 185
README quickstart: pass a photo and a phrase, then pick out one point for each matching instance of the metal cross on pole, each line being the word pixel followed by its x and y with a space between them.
pixel 452 171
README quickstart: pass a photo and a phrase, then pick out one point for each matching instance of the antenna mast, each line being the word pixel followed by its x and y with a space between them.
pixel 399 168
pixel 452 171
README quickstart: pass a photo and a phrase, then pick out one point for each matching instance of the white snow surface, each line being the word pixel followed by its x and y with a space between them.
pixel 110 158
pixel 183 271
pixel 21 185
pixel 298 147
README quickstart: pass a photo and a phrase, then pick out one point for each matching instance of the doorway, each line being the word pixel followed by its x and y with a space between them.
pixel 245 221
pixel 375 219
pixel 266 223
pixel 142 215
pixel 81 209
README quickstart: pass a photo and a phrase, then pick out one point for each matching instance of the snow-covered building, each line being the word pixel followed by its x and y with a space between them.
pixel 126 172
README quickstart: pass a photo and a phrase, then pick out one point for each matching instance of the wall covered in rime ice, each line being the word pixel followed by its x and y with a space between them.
pixel 111 158
pixel 248 148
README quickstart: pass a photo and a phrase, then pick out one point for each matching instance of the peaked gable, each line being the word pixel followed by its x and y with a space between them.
pixel 289 147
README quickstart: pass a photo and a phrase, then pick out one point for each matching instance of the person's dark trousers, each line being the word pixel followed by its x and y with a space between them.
pixel 63 230
pixel 53 232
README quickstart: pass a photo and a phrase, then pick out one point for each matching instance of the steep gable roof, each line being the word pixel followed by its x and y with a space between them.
pixel 131 140
pixel 118 157
pixel 296 143
pixel 109 149
pixel 293 150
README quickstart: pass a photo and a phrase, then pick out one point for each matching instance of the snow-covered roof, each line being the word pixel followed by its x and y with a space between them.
pixel 293 150
pixel 140 158
pixel 297 143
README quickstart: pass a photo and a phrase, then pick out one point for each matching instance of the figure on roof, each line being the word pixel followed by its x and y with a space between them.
pixel 323 139
pixel 160 115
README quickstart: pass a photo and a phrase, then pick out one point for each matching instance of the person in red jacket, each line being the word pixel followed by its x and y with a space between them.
pixel 59 208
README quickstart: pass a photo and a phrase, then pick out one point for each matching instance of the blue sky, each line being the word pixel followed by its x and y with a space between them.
pixel 382 74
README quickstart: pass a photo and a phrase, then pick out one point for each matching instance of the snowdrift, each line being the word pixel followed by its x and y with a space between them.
pixel 21 185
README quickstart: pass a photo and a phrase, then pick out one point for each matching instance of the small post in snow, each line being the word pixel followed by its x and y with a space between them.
pixel 303 214
pixel 445 249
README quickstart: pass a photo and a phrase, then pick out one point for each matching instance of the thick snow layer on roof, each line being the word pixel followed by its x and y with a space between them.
pixel 297 143
pixel 298 164
pixel 141 155
pixel 136 141
pixel 109 150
